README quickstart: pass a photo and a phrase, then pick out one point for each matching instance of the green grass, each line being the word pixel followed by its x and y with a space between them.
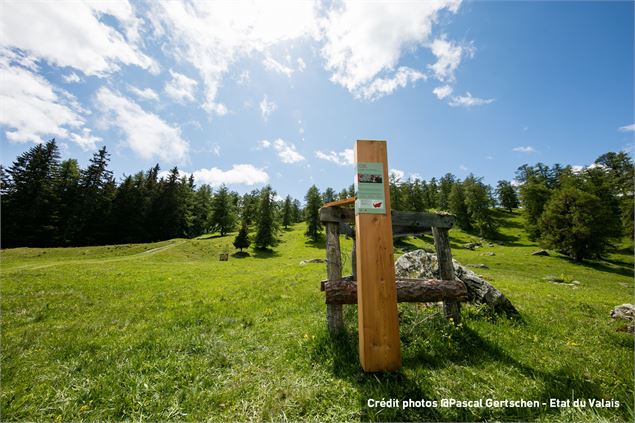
pixel 166 331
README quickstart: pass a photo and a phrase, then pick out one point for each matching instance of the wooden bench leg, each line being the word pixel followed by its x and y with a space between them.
pixel 446 269
pixel 334 319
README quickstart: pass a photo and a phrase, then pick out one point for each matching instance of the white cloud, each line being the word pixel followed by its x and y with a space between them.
pixel 213 35
pixel 364 40
pixel 342 158
pixel 286 151
pixel 524 149
pixel 180 87
pixel 273 65
pixel 448 56
pixel 72 34
pixel 301 64
pixel 71 78
pixel 442 91
pixel 239 174
pixel 463 168
pixel 216 150
pixel 469 101
pixel 86 140
pixel 384 86
pixel 146 93
pixel 146 133
pixel 267 107
pixel 398 174
pixel 627 128
pixel 32 108
pixel 243 78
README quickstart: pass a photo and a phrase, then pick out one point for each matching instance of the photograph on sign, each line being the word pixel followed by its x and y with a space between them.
pixel 369 186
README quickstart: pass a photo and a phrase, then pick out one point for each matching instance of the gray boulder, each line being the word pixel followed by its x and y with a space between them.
pixel 421 264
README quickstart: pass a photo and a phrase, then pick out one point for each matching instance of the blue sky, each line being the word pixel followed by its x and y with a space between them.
pixel 249 93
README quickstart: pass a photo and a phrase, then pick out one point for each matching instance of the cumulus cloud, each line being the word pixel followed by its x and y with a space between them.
pixel 442 91
pixel 342 158
pixel 524 149
pixel 301 64
pixel 145 133
pixel 267 107
pixel 627 128
pixel 71 78
pixel 180 87
pixel 146 93
pixel 239 174
pixel 32 108
pixel 384 86
pixel 448 56
pixel 365 40
pixel 286 151
pixel 86 140
pixel 398 174
pixel 273 65
pixel 211 36
pixel 469 101
pixel 74 34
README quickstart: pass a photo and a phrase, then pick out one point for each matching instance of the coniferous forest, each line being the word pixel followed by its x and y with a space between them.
pixel 48 202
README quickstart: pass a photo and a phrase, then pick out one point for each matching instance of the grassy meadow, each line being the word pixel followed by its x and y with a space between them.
pixel 166 331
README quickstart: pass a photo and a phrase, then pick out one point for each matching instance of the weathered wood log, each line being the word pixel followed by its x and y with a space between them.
pixel 334 317
pixel 415 222
pixel 344 291
pixel 446 269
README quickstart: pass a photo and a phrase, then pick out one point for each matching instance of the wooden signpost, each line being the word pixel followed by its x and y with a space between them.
pixel 376 286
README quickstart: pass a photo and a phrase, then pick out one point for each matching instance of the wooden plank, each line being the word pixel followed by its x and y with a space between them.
pixel 422 220
pixel 414 220
pixel 337 214
pixel 446 269
pixel 343 202
pixel 379 348
pixel 408 291
pixel 334 318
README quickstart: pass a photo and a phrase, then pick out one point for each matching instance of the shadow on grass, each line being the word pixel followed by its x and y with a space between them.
pixel 265 253
pixel 241 254
pixel 444 346
pixel 618 268
pixel 319 243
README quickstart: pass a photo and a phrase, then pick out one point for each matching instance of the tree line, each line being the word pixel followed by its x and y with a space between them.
pixel 47 202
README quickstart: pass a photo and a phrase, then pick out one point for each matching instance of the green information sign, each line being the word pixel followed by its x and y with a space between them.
pixel 369 186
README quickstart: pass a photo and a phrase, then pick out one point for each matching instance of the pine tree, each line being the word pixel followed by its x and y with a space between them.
pixel 458 207
pixel 223 218
pixel 329 195
pixel 202 210
pixel 287 212
pixel 297 211
pixel 266 226
pixel 312 213
pixel 478 200
pixel 30 205
pixel 445 187
pixel 242 239
pixel 507 196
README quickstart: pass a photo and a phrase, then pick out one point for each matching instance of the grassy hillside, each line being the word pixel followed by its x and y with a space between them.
pixel 165 331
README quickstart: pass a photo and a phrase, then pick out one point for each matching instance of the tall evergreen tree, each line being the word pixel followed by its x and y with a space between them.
pixel 287 212
pixel 458 207
pixel 30 205
pixel 312 213
pixel 328 195
pixel 202 210
pixel 266 225
pixel 478 201
pixel 507 196
pixel 242 239
pixel 297 211
pixel 445 187
pixel 223 217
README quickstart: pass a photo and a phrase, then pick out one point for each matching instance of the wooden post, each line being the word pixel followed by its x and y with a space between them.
pixel 334 319
pixel 376 287
pixel 446 269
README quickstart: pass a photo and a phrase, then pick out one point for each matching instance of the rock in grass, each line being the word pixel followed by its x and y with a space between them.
pixel 479 266
pixel 472 245
pixel 420 264
pixel 540 253
pixel 314 260
pixel 624 312
pixel 489 253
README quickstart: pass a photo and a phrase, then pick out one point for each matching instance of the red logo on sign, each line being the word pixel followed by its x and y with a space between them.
pixel 377 204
